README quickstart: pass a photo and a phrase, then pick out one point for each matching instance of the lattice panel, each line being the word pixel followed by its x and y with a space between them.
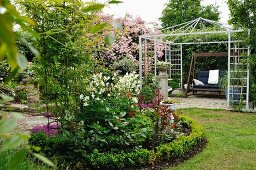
pixel 238 77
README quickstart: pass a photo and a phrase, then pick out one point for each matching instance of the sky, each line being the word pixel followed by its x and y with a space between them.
pixel 150 10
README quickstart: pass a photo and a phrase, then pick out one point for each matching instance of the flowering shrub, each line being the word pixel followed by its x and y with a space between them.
pixel 110 115
pixel 127 39
pixel 102 89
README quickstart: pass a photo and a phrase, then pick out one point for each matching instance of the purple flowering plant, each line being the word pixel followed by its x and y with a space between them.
pixel 49 129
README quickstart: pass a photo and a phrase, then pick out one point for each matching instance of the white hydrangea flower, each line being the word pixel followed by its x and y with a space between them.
pixel 135 99
pixel 87 98
pixel 81 96
pixel 93 95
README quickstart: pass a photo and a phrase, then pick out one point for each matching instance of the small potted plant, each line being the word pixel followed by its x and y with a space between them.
pixel 170 103
pixel 235 90
pixel 162 66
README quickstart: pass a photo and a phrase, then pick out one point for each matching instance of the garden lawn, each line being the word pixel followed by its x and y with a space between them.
pixel 231 140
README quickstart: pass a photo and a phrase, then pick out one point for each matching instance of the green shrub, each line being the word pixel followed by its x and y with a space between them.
pixel 30 163
pixel 149 87
pixel 135 158
pixel 68 152
pixel 182 144
pixel 126 65
pixel 50 145
pixel 21 96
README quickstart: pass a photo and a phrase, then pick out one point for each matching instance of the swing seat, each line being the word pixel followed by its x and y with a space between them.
pixel 203 77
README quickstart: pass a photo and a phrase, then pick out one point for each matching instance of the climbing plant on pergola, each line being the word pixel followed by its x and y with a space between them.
pixel 173 40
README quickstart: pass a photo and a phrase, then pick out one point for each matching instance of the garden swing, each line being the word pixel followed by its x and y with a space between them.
pixel 176 38
pixel 206 80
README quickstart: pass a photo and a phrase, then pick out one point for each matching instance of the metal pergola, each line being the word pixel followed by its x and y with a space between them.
pixel 173 44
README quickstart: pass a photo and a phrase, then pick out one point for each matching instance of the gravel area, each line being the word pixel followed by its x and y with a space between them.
pixel 28 121
pixel 202 101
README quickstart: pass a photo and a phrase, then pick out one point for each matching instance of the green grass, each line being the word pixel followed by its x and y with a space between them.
pixel 231 140
pixel 28 164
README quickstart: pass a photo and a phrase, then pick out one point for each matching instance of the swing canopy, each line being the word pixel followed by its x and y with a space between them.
pixel 200 31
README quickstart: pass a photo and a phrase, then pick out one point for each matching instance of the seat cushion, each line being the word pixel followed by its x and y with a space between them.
pixel 198 82
pixel 203 76
pixel 213 77
pixel 216 86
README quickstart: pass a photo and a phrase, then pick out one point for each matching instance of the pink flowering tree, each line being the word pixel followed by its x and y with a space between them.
pixel 127 39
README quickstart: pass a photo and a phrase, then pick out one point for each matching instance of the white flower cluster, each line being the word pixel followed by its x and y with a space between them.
pixel 100 89
pixel 96 88
pixel 128 83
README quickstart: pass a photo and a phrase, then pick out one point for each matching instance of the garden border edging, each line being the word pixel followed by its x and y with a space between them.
pixel 143 157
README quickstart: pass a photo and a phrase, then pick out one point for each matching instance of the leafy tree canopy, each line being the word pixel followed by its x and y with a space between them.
pixel 176 12
pixel 243 14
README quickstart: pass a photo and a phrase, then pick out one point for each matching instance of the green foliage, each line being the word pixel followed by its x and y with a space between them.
pixel 8 48
pixel 4 70
pixel 69 32
pixel 126 65
pixel 30 163
pixel 252 94
pixel 174 84
pixel 109 117
pixel 10 144
pixel 177 12
pixel 21 96
pixel 52 146
pixel 243 16
pixel 140 157
pixel 111 160
pixel 149 87
pixel 119 159
pixel 182 144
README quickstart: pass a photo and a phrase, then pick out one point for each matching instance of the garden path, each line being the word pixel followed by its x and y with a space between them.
pixel 199 101
pixel 28 121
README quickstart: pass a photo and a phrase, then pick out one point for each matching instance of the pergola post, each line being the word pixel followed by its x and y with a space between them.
pixel 248 77
pixel 140 61
pixel 155 56
pixel 181 72
pixel 229 53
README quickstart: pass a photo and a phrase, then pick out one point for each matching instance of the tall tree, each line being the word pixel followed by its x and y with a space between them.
pixel 243 14
pixel 176 12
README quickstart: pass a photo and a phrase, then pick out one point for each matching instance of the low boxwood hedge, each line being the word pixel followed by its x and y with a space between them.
pixel 144 157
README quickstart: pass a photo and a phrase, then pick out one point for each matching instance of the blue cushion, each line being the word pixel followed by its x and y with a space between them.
pixel 215 86
pixel 203 76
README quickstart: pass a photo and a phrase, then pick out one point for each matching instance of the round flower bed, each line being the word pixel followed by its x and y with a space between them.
pixel 144 157
pixel 181 146
pixel 110 131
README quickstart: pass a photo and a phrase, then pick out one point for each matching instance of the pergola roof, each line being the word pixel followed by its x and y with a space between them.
pixel 191 28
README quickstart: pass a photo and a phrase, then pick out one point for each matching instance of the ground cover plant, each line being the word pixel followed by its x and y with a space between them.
pixel 231 140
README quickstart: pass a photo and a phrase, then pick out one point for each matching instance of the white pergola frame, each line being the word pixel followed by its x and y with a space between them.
pixel 189 28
